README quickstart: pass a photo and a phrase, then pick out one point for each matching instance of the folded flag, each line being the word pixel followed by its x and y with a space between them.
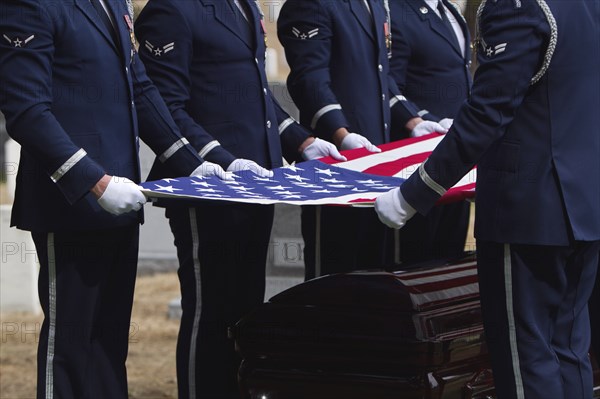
pixel 357 181
pixel 307 183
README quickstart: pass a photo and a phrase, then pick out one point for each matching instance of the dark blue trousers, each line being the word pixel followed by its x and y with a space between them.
pixel 534 301
pixel 341 239
pixel 222 250
pixel 86 285
pixel 439 235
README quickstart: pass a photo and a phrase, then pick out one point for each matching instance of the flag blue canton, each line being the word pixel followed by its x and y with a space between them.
pixel 306 183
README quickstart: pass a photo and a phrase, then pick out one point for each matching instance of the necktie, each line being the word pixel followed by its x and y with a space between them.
pixel 367 6
pixel 365 9
pixel 102 13
pixel 243 15
pixel 446 21
pixel 242 9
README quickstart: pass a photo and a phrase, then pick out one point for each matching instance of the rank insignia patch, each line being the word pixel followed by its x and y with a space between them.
pixel 491 51
pixel 17 41
pixel 159 51
pixel 305 35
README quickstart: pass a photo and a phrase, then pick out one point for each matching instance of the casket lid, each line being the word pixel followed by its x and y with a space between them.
pixel 415 290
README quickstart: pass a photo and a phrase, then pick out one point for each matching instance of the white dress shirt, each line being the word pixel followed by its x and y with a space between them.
pixel 457 29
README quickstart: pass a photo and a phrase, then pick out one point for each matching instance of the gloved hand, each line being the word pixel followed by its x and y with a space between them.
pixel 354 140
pixel 207 169
pixel 446 123
pixel 393 210
pixel 427 127
pixel 321 148
pixel 246 164
pixel 121 196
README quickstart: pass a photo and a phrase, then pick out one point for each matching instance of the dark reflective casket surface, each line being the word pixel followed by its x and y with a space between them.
pixel 375 335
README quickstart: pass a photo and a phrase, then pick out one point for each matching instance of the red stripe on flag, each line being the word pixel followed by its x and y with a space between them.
pixel 456 194
pixel 361 152
pixel 393 167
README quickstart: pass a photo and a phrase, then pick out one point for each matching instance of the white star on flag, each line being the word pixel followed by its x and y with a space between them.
pixel 286 193
pixel 332 181
pixel 278 188
pixel 323 191
pixel 202 183
pixel 296 177
pixel 293 168
pixel 168 189
pixel 375 182
pixel 327 172
pixel 208 190
pixel 339 186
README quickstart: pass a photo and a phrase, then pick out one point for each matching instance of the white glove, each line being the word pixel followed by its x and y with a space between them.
pixel 321 148
pixel 427 127
pixel 207 169
pixel 246 164
pixel 354 140
pixel 121 196
pixel 393 210
pixel 446 123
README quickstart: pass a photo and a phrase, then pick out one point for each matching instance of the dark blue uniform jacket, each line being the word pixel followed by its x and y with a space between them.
pixel 75 100
pixel 531 125
pixel 209 64
pixel 338 55
pixel 427 64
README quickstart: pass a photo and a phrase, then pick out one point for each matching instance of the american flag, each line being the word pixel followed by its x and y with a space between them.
pixel 357 181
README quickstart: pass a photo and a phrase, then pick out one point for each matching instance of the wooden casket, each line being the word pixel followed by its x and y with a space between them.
pixel 408 334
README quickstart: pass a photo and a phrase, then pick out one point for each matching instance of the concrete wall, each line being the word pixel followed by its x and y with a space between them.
pixel 18 268
pixel 18 259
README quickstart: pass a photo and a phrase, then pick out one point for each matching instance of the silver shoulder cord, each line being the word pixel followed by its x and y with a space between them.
pixel 551 44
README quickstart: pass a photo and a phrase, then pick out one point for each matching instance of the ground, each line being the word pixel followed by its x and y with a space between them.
pixel 151 361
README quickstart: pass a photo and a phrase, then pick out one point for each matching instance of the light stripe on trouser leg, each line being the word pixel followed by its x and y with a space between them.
pixel 52 317
pixel 197 310
pixel 514 350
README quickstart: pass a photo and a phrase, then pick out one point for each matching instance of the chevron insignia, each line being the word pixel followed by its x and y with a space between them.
pixel 305 35
pixel 159 51
pixel 491 51
pixel 17 41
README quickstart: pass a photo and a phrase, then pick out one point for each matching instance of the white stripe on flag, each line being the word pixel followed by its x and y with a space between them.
pixel 375 159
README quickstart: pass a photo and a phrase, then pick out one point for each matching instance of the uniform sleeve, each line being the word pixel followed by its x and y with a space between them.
pixel 166 50
pixel 26 57
pixel 309 55
pixel 291 133
pixel 514 41
pixel 401 108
